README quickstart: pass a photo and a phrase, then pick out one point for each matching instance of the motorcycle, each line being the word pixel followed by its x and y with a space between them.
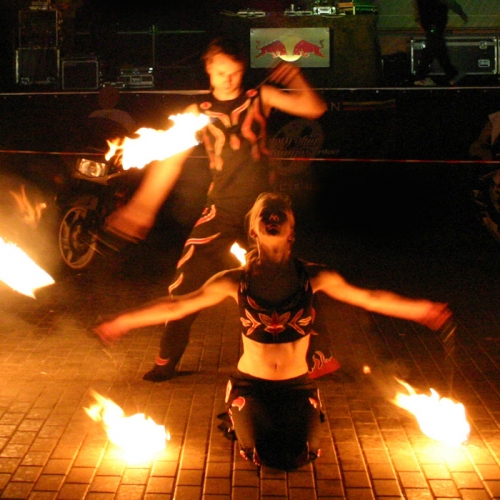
pixel 98 187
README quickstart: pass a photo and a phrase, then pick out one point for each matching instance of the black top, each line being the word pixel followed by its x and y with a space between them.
pixel 287 321
pixel 432 12
pixel 235 142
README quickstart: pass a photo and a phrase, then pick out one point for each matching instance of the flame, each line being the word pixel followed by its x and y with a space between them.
pixel 439 418
pixel 239 253
pixel 139 438
pixel 19 271
pixel 32 213
pixel 154 144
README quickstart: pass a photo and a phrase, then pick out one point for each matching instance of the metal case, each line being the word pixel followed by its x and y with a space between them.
pixel 137 78
pixel 470 55
pixel 37 66
pixel 39 27
pixel 80 74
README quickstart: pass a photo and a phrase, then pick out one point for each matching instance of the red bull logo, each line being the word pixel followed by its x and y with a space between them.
pixel 276 48
pixel 308 46
pixel 305 49
pixel 302 48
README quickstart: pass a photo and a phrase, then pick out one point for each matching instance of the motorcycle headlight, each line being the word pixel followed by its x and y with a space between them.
pixel 92 168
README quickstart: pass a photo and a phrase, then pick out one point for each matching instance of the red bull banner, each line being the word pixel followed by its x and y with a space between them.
pixel 305 47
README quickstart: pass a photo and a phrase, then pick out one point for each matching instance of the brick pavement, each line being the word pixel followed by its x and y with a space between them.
pixel 49 362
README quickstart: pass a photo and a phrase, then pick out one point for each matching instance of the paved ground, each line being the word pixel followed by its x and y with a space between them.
pixel 50 362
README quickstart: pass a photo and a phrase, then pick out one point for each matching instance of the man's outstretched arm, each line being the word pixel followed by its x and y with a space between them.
pixel 137 217
pixel 296 97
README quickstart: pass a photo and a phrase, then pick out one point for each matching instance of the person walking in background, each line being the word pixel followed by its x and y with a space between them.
pixel 273 406
pixel 235 142
pixel 432 15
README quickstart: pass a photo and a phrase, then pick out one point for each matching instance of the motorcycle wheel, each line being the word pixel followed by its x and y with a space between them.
pixel 77 245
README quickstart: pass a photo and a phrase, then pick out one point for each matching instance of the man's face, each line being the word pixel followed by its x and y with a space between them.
pixel 226 75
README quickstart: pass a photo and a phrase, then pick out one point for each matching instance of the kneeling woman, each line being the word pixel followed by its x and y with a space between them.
pixel 273 405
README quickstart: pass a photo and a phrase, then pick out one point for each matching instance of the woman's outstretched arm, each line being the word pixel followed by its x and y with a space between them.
pixel 214 291
pixel 431 314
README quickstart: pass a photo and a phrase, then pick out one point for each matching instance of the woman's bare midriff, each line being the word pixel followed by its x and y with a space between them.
pixel 274 361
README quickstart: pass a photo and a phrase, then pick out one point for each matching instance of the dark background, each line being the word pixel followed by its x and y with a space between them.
pixel 394 171
pixel 412 177
pixel 117 33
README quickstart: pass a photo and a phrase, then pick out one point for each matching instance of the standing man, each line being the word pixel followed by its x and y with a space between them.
pixel 235 142
pixel 432 15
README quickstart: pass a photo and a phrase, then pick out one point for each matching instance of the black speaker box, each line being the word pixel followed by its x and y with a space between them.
pixel 37 66
pixel 39 28
pixel 80 74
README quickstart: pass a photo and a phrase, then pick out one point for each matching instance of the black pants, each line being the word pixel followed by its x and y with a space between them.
pixel 206 252
pixel 276 423
pixel 435 49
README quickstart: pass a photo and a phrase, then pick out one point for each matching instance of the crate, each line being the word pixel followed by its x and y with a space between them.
pixel 37 66
pixel 39 28
pixel 136 78
pixel 470 55
pixel 80 74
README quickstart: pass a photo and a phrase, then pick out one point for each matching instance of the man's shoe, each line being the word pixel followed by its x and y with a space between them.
pixel 113 240
pixel 425 82
pixel 160 373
